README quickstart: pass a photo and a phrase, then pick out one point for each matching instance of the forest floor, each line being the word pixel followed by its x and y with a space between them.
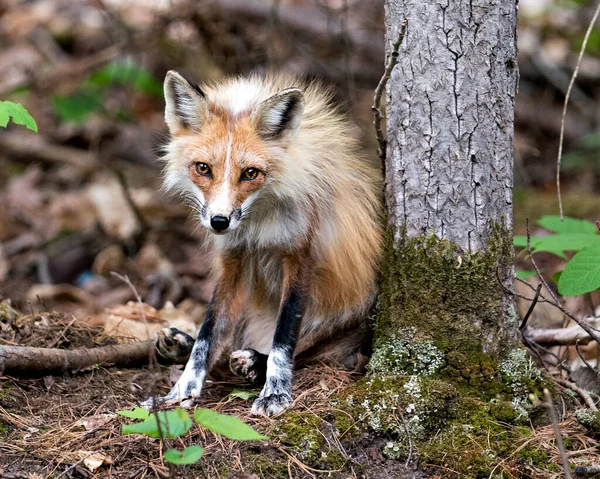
pixel 66 426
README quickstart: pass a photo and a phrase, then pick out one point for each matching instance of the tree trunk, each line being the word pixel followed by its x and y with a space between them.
pixel 446 329
pixel 449 168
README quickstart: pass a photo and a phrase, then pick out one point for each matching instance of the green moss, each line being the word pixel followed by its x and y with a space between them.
pixel 534 456
pixel 3 429
pixel 473 442
pixel 267 467
pixel 300 431
pixel 344 424
pixel 8 314
pixel 304 435
pixel 445 296
pixel 446 369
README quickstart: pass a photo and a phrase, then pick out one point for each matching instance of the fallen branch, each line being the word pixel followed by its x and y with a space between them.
pixel 559 336
pixel 32 148
pixel 24 360
pixel 20 360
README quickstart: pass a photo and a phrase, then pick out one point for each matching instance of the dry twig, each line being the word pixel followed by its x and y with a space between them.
pixel 559 440
pixel 564 113
pixel 572 386
pixel 376 108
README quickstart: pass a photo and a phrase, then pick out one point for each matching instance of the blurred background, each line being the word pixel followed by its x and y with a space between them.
pixel 81 198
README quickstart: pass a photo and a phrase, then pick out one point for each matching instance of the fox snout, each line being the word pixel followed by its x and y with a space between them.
pixel 220 222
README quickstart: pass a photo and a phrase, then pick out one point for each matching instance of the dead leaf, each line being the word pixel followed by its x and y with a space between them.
pixel 94 460
pixel 133 321
pixel 72 211
pixel 53 291
pixel 91 423
pixel 109 259
pixel 112 209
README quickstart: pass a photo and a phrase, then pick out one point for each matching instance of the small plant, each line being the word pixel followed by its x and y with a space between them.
pixel 91 95
pixel 582 273
pixel 177 422
pixel 18 114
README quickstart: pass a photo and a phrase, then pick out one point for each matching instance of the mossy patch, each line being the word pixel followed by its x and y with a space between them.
pixel 8 314
pixel 300 431
pixel 446 370
pixel 447 297
pixel 308 437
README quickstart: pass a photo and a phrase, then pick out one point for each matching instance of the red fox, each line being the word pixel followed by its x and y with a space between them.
pixel 271 169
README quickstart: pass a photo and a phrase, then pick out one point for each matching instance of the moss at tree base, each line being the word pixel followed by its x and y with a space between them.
pixel 447 380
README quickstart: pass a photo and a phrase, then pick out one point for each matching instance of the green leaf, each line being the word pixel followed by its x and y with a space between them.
pixel 556 276
pixel 520 241
pixel 559 243
pixel 126 72
pixel 18 113
pixel 225 425
pixel 78 107
pixel 189 455
pixel 136 413
pixel 525 274
pixel 173 423
pixel 568 225
pixel 582 273
pixel 244 394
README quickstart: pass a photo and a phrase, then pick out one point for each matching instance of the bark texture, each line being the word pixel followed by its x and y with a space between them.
pixel 450 109
pixel 445 345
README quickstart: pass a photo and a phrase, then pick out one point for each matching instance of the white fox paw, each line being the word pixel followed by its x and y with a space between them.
pixel 185 392
pixel 271 405
pixel 249 364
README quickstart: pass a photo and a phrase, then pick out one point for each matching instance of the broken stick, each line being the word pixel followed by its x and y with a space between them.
pixel 23 360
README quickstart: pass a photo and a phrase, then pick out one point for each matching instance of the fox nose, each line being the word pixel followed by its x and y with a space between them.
pixel 219 223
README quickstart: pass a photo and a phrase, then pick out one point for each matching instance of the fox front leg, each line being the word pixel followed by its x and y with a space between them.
pixel 277 392
pixel 224 309
pixel 189 385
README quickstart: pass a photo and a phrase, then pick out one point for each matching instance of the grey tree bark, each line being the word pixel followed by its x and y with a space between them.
pixel 450 108
pixel 444 317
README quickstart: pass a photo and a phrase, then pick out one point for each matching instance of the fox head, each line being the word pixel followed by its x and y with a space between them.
pixel 223 149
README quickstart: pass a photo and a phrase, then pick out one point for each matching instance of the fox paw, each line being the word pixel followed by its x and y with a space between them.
pixel 249 364
pixel 271 405
pixel 173 344
pixel 184 393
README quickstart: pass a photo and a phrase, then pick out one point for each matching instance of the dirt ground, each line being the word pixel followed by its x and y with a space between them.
pixel 50 425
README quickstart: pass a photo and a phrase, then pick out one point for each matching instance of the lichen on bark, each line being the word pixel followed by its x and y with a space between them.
pixel 441 298
pixel 447 371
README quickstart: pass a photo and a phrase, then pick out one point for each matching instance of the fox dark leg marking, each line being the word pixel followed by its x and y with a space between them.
pixel 277 392
pixel 190 383
pixel 216 331
pixel 250 365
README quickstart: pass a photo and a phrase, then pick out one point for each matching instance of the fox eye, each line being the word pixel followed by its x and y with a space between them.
pixel 250 174
pixel 203 169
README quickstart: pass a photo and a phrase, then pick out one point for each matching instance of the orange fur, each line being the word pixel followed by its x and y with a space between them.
pixel 314 207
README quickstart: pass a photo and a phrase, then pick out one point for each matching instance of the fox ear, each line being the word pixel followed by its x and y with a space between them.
pixel 186 105
pixel 279 116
